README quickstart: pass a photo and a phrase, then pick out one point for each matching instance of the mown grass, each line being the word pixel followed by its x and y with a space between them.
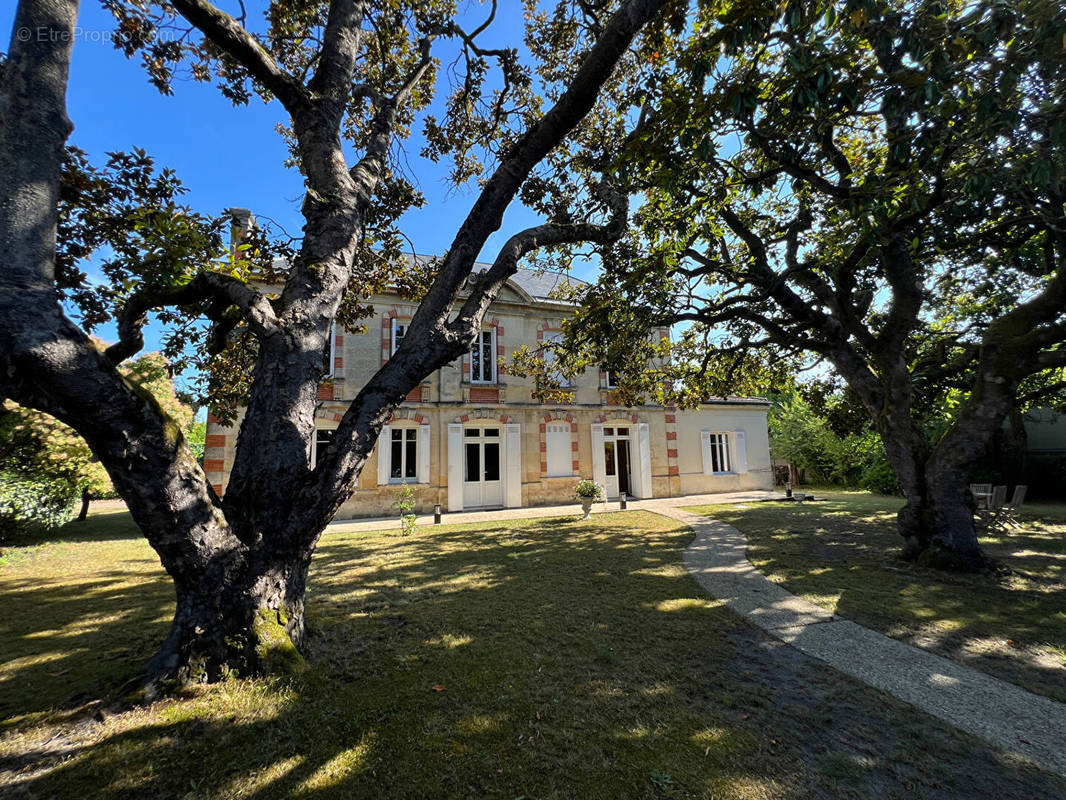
pixel 539 659
pixel 842 553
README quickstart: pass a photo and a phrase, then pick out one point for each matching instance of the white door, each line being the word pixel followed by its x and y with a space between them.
pixel 482 483
pixel 617 462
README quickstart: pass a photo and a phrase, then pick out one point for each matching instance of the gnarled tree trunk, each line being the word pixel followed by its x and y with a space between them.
pixel 240 566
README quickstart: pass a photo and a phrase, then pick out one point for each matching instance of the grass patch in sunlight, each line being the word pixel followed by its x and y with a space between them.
pixel 548 658
pixel 843 554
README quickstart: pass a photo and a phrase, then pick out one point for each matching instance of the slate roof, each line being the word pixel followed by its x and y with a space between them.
pixel 539 284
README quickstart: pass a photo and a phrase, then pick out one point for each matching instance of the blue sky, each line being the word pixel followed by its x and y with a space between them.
pixel 233 157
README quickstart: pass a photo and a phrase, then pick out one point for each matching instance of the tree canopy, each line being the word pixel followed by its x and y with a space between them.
pixel 876 185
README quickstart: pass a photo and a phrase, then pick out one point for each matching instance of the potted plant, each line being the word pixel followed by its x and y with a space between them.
pixel 588 492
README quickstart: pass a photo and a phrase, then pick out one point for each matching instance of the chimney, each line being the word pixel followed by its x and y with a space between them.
pixel 242 222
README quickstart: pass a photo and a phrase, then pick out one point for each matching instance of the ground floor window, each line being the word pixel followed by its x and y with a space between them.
pixel 716 452
pixel 404 454
pixel 323 439
pixel 560 455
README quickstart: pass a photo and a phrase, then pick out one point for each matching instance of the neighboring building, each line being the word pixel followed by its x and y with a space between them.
pixel 472 436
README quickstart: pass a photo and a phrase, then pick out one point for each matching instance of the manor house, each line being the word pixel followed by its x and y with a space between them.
pixel 472 437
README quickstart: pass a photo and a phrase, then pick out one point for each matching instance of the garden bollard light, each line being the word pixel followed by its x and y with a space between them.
pixel 436 514
pixel 622 500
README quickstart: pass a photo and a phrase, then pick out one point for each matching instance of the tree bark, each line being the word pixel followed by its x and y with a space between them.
pixel 86 497
pixel 240 567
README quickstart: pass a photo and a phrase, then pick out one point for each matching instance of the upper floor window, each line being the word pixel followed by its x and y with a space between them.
pixel 550 357
pixel 331 368
pixel 399 330
pixel 608 380
pixel 483 358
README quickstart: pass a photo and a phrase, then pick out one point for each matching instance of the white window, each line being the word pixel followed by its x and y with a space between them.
pixel 608 380
pixel 550 358
pixel 715 452
pixel 483 358
pixel 323 439
pixel 560 452
pixel 331 368
pixel 403 454
pixel 399 330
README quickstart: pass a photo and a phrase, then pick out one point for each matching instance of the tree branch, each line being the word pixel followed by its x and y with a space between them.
pixel 224 291
pixel 488 286
pixel 228 35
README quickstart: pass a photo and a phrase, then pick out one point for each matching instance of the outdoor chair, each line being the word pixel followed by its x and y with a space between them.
pixel 1007 514
pixel 982 493
pixel 988 514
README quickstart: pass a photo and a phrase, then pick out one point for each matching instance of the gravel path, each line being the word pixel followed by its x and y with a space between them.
pixel 1000 713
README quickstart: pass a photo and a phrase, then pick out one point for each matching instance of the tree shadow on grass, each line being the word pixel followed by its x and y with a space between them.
pixel 847 560
pixel 546 659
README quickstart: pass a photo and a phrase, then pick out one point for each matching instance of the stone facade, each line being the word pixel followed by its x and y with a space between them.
pixel 471 420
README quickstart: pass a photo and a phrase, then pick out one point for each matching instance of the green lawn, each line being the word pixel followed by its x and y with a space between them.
pixel 843 554
pixel 538 659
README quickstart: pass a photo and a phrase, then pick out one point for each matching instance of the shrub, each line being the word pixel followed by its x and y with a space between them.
pixel 405 504
pixel 881 478
pixel 32 505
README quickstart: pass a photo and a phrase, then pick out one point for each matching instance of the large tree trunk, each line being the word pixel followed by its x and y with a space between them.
pixel 240 567
pixel 242 615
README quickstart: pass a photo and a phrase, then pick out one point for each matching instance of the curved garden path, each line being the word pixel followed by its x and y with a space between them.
pixel 1001 713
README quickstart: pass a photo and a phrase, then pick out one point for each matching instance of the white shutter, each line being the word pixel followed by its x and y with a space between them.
pixel 423 453
pixel 644 456
pixel 599 464
pixel 742 452
pixel 705 442
pixel 455 466
pixel 512 479
pixel 384 454
pixel 560 456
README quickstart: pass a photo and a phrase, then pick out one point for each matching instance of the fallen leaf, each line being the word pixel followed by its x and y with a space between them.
pixel 438 687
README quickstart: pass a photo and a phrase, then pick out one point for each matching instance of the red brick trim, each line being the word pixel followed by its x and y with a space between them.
pixel 215 440
pixel 213 465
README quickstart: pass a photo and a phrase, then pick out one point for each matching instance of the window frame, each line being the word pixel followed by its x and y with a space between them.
pixel 332 371
pixel 724 449
pixel 406 444
pixel 608 381
pixel 314 442
pixel 491 331
pixel 549 358
pixel 394 341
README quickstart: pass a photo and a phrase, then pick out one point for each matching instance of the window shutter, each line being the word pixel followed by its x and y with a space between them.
pixel 599 463
pixel 512 447
pixel 560 456
pixel 384 454
pixel 423 454
pixel 705 442
pixel 455 466
pixel 644 455
pixel 742 451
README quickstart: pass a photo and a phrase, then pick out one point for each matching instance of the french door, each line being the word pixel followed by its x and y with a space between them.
pixel 616 461
pixel 482 486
